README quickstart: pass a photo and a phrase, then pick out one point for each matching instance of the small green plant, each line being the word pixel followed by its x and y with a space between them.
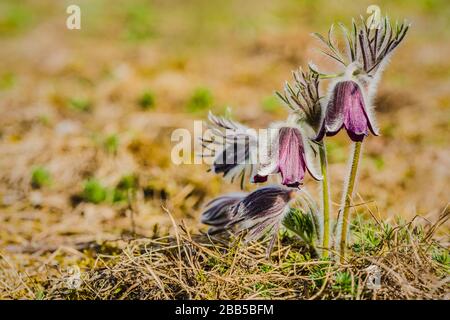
pixel 201 277
pixel 220 265
pixel 111 144
pixel 147 100
pixel 368 236
pixel 40 295
pixel 80 104
pixel 264 289
pixel 441 256
pixel 127 184
pixel 318 275
pixel 200 100
pixel 40 177
pixel 388 231
pixel 343 282
pixel 301 224
pixel 140 22
pixel 94 191
pixel 295 258
pixel 265 268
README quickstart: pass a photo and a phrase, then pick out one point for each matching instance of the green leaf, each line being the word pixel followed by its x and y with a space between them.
pixel 301 224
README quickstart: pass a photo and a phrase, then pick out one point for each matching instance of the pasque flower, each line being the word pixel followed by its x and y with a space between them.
pixel 347 109
pixel 288 150
pixel 294 147
pixel 258 213
pixel 217 213
pixel 349 102
pixel 291 154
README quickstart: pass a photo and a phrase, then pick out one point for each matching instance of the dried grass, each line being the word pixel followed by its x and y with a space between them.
pixel 188 266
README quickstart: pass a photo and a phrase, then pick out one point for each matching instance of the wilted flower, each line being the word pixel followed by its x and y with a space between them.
pixel 258 213
pixel 347 108
pixel 291 154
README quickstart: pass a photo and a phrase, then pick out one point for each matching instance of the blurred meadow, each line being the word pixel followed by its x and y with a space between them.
pixel 86 115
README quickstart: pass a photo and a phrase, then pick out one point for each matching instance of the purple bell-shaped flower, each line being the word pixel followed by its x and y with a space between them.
pixel 347 108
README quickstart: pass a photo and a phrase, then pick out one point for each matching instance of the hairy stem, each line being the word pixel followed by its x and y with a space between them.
pixel 326 201
pixel 347 199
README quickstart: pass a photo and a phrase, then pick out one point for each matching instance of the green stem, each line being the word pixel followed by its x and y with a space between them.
pixel 326 201
pixel 348 198
pixel 330 76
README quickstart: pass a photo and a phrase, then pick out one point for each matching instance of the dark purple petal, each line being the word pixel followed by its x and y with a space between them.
pixel 257 230
pixel 261 213
pixel 370 124
pixel 258 178
pixel 334 116
pixel 291 158
pixel 258 213
pixel 346 108
pixel 355 119
pixel 321 133
pixel 262 203
pixel 355 137
pixel 218 212
pixel 239 144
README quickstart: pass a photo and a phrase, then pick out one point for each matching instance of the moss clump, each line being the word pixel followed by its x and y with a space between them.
pixel 147 100
pixel 200 100
pixel 40 177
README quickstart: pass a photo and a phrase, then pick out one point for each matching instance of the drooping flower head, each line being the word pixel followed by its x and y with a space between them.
pixel 258 213
pixel 287 148
pixel 217 213
pixel 347 108
pixel 291 154
pixel 349 101
pixel 262 212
